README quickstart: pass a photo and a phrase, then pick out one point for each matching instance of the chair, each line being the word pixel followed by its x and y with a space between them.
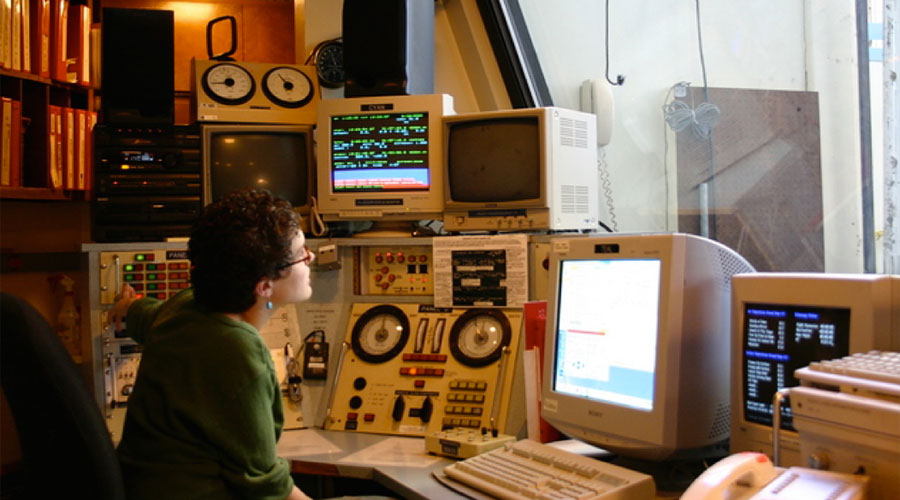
pixel 66 447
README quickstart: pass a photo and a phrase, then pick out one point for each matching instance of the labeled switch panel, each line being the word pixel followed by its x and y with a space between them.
pixel 413 369
pixel 397 270
pixel 152 273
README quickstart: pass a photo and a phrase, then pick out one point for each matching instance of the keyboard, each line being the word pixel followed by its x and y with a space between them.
pixel 528 469
pixel 872 374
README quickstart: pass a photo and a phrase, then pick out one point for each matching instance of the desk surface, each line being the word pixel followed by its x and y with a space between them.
pixel 409 481
pixel 408 473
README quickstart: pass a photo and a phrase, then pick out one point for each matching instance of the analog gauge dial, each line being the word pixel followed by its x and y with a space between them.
pixel 228 83
pixel 329 59
pixel 478 337
pixel 287 87
pixel 380 333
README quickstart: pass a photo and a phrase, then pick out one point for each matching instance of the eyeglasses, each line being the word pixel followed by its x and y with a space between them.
pixel 306 259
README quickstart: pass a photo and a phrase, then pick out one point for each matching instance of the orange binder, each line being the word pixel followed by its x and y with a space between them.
pixel 58 14
pixel 5 140
pixel 15 145
pixel 40 37
pixel 78 45
pixel 54 139
pixel 69 148
pixel 80 149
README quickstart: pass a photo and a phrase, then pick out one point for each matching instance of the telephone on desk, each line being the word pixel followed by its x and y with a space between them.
pixel 752 476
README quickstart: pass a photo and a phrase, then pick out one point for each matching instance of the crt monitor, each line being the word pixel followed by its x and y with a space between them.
pixel 784 321
pixel 278 158
pixel 522 169
pixel 637 343
pixel 379 157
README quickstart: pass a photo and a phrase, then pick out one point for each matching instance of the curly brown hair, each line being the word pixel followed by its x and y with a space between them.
pixel 238 240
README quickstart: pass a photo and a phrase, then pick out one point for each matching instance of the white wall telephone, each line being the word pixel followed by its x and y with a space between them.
pixel 751 476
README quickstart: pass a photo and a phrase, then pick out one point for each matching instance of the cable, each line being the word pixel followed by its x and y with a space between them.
pixel 605 183
pixel 620 79
pixel 317 225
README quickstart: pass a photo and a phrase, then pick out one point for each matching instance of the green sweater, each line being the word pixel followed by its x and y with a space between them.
pixel 206 411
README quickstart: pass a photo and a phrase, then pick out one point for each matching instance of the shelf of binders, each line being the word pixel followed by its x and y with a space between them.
pixel 45 138
pixel 46 100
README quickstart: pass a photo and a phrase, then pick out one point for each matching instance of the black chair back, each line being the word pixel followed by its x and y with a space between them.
pixel 66 447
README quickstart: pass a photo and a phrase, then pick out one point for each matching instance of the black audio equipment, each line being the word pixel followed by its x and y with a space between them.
pixel 137 66
pixel 147 182
pixel 388 47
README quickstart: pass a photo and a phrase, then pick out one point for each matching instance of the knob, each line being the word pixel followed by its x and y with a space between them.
pixel 399 408
pixel 427 409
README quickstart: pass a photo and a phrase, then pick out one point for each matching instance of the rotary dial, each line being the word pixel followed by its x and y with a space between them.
pixel 287 87
pixel 228 84
pixel 380 333
pixel 478 337
pixel 329 59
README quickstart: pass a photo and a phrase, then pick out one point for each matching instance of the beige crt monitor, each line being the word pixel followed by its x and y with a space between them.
pixel 784 321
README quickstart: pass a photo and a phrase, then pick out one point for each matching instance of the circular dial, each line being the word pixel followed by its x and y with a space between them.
pixel 329 60
pixel 380 333
pixel 478 337
pixel 228 83
pixel 287 87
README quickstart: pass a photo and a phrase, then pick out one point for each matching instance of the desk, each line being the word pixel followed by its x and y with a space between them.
pixel 415 483
pixel 409 482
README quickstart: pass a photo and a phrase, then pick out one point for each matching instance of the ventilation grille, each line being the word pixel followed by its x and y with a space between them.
pixel 730 265
pixel 575 199
pixel 573 133
pixel 721 424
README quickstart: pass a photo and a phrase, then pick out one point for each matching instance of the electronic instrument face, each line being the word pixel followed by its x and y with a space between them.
pixel 412 369
pixel 288 87
pixel 227 92
pixel 228 83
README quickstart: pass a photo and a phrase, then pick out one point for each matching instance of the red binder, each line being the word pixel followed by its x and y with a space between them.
pixel 40 37
pixel 78 45
pixel 58 19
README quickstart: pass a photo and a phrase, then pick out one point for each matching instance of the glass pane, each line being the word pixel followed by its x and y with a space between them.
pixel 746 130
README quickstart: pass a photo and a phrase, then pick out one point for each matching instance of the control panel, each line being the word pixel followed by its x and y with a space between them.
pixel 396 270
pixel 153 273
pixel 414 369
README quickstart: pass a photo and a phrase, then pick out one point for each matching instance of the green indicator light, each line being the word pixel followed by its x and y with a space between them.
pixel 151 286
pixel 151 267
pixel 129 267
pixel 129 277
pixel 151 276
pixel 139 256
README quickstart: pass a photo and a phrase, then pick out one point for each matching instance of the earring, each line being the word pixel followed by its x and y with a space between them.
pixel 269 304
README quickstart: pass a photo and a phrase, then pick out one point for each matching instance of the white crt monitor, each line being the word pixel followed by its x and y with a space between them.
pixel 784 321
pixel 522 169
pixel 637 343
pixel 379 157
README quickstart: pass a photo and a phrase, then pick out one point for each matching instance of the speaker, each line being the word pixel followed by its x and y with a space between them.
pixel 137 66
pixel 388 47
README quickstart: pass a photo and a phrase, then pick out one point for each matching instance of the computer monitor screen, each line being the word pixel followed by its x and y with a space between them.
pixel 637 343
pixel 535 170
pixel 379 157
pixel 475 151
pixel 278 158
pixel 785 321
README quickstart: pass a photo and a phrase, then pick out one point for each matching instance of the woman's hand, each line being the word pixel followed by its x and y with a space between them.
pixel 120 310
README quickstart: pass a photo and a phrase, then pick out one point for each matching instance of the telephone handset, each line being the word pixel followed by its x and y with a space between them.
pixel 751 476
pixel 734 477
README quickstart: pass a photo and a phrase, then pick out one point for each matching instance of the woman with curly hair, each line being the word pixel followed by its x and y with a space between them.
pixel 205 414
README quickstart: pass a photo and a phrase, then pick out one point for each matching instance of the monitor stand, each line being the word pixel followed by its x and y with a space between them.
pixel 388 229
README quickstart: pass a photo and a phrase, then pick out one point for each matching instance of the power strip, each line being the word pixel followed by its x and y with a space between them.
pixel 461 442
